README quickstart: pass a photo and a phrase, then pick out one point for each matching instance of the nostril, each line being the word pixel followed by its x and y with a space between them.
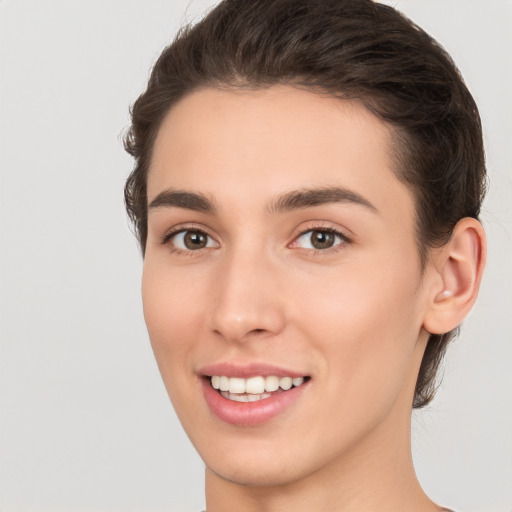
pixel 256 332
pixel 243 321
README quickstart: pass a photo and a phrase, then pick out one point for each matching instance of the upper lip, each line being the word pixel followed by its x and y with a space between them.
pixel 247 370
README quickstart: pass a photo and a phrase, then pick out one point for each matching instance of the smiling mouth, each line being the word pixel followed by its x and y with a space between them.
pixel 253 389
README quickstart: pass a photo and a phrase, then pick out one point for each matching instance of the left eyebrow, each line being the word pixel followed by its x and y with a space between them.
pixel 306 198
pixel 182 199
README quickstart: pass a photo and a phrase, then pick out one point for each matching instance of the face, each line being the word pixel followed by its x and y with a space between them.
pixel 281 264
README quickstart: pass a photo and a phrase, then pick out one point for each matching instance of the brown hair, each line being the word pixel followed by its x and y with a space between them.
pixel 353 49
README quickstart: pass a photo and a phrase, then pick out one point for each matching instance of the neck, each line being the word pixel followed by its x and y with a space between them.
pixel 376 475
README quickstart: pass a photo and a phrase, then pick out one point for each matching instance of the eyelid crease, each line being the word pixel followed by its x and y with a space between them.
pixel 345 240
pixel 183 227
pixel 327 228
pixel 317 226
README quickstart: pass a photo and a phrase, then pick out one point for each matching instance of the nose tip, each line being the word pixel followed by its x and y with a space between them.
pixel 248 305
pixel 243 327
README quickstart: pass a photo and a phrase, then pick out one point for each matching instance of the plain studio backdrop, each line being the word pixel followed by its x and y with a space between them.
pixel 86 424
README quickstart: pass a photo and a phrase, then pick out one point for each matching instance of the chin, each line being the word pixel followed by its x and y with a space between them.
pixel 263 460
pixel 276 461
pixel 256 474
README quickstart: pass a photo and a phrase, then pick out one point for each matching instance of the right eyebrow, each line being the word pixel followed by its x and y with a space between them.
pixel 172 198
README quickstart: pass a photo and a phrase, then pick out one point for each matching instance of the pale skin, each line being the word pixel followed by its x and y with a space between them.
pixel 354 315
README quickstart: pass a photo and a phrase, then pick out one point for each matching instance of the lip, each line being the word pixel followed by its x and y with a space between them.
pixel 246 371
pixel 247 414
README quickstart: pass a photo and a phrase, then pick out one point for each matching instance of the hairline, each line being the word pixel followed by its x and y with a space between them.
pixel 397 140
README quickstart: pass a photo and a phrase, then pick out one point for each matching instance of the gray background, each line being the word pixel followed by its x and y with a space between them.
pixel 85 421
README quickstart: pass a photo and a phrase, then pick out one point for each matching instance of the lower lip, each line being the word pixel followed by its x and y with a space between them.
pixel 247 414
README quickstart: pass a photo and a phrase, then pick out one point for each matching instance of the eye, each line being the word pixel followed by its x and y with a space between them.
pixel 191 240
pixel 319 239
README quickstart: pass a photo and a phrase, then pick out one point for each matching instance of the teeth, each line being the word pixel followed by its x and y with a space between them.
pixel 238 398
pixel 285 383
pixel 297 381
pixel 254 385
pixel 243 390
pixel 244 398
pixel 255 398
pixel 236 385
pixel 271 383
pixel 224 383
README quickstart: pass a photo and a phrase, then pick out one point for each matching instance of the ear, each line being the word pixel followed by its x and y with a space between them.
pixel 457 273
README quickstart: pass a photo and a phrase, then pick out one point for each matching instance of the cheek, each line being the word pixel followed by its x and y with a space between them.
pixel 170 319
pixel 365 324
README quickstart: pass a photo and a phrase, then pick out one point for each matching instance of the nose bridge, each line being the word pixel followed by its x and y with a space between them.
pixel 247 300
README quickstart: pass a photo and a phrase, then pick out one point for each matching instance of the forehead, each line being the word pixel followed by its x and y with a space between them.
pixel 246 145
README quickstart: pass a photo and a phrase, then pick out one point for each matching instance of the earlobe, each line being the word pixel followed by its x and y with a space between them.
pixel 459 268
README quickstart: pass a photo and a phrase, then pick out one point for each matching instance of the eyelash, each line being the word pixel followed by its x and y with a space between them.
pixel 325 229
pixel 322 228
pixel 183 229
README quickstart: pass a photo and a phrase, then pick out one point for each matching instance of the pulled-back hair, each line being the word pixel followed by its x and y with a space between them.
pixel 351 49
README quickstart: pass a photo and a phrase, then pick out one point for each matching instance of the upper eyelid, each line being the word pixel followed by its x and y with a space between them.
pixel 316 226
pixel 173 232
pixel 180 228
pixel 335 232
pixel 322 228
pixel 319 226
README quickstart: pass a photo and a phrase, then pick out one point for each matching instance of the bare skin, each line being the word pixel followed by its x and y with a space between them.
pixel 239 174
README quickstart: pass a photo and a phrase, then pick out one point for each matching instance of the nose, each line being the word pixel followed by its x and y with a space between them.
pixel 248 301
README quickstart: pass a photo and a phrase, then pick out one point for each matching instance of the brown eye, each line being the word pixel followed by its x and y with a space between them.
pixel 319 239
pixel 322 239
pixel 192 240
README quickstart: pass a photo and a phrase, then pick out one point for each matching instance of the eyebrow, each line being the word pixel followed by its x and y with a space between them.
pixel 183 199
pixel 307 198
pixel 293 200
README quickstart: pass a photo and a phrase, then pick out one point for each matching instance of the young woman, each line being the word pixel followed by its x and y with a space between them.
pixel 306 194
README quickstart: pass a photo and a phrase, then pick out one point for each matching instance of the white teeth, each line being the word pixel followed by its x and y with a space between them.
pixel 244 398
pixel 224 383
pixel 238 398
pixel 271 383
pixel 254 386
pixel 236 385
pixel 285 383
